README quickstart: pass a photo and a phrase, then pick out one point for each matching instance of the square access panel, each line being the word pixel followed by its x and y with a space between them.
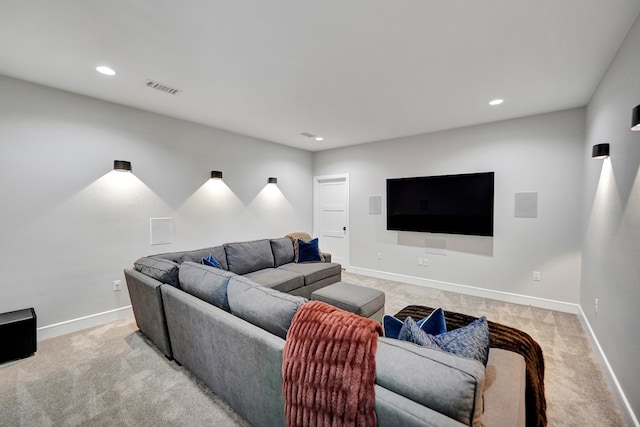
pixel 161 231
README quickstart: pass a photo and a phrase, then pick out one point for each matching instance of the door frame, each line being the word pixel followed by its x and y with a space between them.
pixel 316 208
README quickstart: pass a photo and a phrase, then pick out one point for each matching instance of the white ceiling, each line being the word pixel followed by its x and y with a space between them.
pixel 353 71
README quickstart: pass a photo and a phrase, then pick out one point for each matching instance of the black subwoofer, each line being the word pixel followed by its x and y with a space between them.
pixel 17 334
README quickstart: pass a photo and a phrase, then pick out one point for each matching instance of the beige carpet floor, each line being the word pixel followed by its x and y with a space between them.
pixel 112 375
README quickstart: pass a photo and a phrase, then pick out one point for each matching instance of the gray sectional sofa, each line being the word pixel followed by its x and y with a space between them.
pixel 228 326
pixel 267 262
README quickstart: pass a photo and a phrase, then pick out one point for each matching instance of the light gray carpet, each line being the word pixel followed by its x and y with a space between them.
pixel 106 376
pixel 112 376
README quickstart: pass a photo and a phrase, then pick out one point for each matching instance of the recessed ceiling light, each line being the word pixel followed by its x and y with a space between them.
pixel 319 138
pixel 105 70
pixel 496 102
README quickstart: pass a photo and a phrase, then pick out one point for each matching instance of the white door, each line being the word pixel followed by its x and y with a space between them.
pixel 331 216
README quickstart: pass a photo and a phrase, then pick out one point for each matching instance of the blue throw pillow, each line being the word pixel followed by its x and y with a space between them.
pixel 308 251
pixel 434 324
pixel 471 341
pixel 211 261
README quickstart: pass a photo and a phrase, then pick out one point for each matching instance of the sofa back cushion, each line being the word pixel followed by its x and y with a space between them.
pixel 264 307
pixel 449 384
pixel 282 251
pixel 207 283
pixel 246 257
pixel 196 256
pixel 163 270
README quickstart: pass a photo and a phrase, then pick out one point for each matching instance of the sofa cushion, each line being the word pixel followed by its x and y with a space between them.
pixel 197 256
pixel 308 251
pixel 447 383
pixel 264 307
pixel 469 341
pixel 282 251
pixel 245 257
pixel 205 282
pixel 164 270
pixel 218 253
pixel 313 271
pixel 280 280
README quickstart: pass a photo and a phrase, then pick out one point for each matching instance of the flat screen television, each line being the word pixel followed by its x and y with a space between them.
pixel 453 204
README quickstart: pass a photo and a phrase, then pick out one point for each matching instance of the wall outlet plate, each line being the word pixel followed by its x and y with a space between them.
pixel 117 285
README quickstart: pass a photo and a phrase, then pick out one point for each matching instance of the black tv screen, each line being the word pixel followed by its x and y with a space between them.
pixel 454 204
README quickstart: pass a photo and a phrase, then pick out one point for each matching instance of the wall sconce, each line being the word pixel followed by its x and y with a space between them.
pixel 216 174
pixel 600 151
pixel 122 165
pixel 272 180
pixel 635 119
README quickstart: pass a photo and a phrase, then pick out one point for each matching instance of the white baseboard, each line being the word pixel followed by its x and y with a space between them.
pixel 73 325
pixel 608 370
pixel 548 304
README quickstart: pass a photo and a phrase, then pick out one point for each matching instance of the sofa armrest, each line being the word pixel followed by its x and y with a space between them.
pixel 148 308
pixel 446 383
pixel 327 256
pixel 238 361
pixel 504 393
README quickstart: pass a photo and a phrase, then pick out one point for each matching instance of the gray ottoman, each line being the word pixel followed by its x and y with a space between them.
pixel 365 302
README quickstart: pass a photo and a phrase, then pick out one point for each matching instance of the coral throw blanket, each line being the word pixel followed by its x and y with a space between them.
pixel 329 368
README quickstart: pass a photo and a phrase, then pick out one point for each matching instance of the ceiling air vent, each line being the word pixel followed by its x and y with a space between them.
pixel 163 87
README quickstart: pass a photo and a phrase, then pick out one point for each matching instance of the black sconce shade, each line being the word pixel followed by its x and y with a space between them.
pixel 122 165
pixel 600 151
pixel 216 174
pixel 635 119
pixel 273 180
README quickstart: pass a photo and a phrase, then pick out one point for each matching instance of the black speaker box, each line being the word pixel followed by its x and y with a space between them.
pixel 17 334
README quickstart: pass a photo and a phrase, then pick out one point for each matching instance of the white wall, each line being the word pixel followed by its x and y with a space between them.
pixel 611 221
pixel 69 224
pixel 541 154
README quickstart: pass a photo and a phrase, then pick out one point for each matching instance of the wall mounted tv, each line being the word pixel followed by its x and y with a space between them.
pixel 453 204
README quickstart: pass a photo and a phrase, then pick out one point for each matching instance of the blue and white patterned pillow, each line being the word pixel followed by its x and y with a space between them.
pixel 471 341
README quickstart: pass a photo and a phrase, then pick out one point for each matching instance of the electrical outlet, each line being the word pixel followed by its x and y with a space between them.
pixel 595 305
pixel 117 285
pixel 420 260
pixel 536 276
pixel 425 262
pixel 379 256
